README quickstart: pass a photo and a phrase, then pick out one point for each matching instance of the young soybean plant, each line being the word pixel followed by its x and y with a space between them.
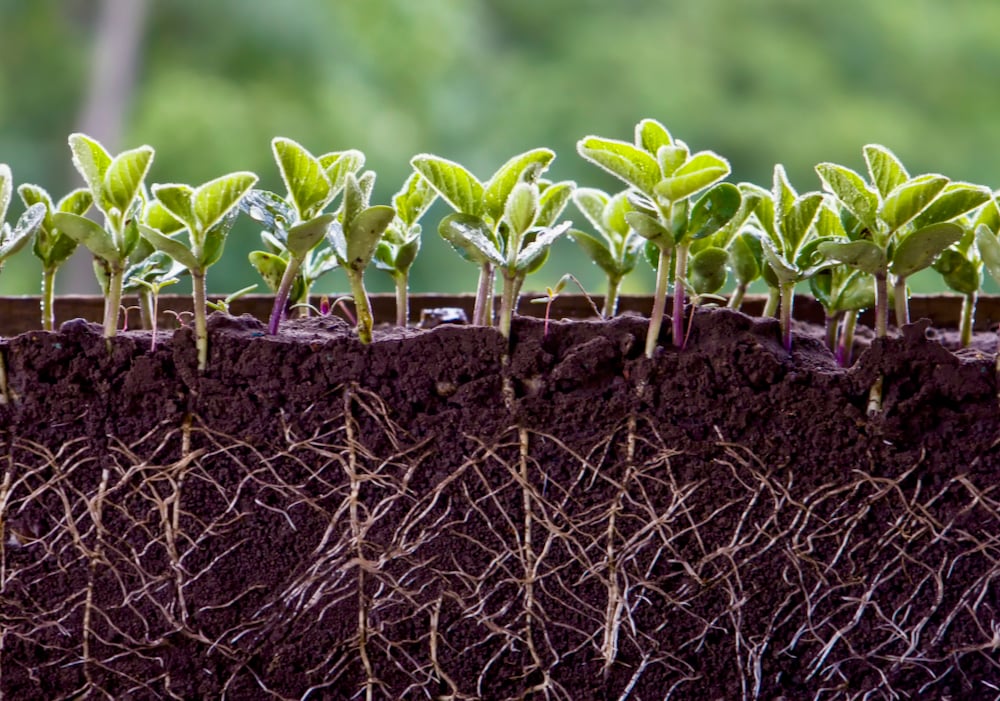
pixel 478 230
pixel 665 176
pixel 906 223
pixel 115 184
pixel 617 249
pixel 208 213
pixel 399 247
pixel 354 235
pixel 296 223
pixel 52 246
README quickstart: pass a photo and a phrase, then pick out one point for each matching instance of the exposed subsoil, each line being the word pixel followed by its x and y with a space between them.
pixel 427 517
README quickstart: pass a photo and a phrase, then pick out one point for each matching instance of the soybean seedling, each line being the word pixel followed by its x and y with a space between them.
pixel 617 248
pixel 905 223
pixel 115 184
pixel 154 285
pixel 51 246
pixel 961 265
pixel 399 247
pixel 478 230
pixel 208 213
pixel 222 305
pixel 552 293
pixel 353 236
pixel 665 175
pixel 13 240
pixel 296 223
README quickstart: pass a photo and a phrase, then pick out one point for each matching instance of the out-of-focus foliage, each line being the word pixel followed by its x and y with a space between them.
pixel 759 81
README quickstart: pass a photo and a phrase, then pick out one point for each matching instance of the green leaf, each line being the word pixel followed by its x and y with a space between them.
pixel 363 234
pixel 623 160
pixel 178 200
pixel 707 270
pixel 355 200
pixel 918 250
pixel 270 267
pixel 6 190
pixel 552 201
pixel 27 225
pixel 216 198
pixel 90 234
pixel 650 228
pixel 597 250
pixel 782 192
pixel 989 215
pixel 650 135
pixel 714 210
pixel 525 167
pixel 852 192
pixel 215 240
pixel 456 186
pixel 591 203
pixel 157 217
pixel 613 217
pixel 764 209
pixel 908 200
pixel 863 255
pixel 406 254
pixel 33 194
pixel 521 207
pixel 797 221
pixel 78 202
pixel 783 270
pixel 958 272
pixel 528 256
pixel 415 197
pixel 91 161
pixel 857 294
pixel 309 187
pixel 884 168
pixel 304 237
pixel 955 200
pixel 269 209
pixel 124 177
pixel 174 248
pixel 746 255
pixel 989 250
pixel 470 236
pixel 671 157
pixel 700 171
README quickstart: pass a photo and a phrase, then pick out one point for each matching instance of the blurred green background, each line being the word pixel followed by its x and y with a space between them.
pixel 208 83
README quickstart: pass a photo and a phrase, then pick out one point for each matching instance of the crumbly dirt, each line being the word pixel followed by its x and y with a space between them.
pixel 442 514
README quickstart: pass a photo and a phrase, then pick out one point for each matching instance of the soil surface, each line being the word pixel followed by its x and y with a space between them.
pixel 443 515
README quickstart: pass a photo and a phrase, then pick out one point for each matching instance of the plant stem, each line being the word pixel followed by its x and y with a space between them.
pixel 48 295
pixel 147 308
pixel 881 304
pixel 968 318
pixel 611 298
pixel 659 302
pixel 736 300
pixel 402 299
pixel 773 297
pixel 846 345
pixel 281 296
pixel 787 302
pixel 484 297
pixel 200 317
pixel 833 330
pixel 902 304
pixel 680 274
pixel 361 305
pixel 113 301
pixel 508 295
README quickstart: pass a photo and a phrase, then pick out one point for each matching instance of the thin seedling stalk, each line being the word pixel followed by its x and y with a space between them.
pixel 281 296
pixel 200 321
pixel 881 304
pixel 899 298
pixel 833 330
pixel 362 306
pixel 402 300
pixel 968 318
pixel 787 302
pixel 680 273
pixel 773 298
pixel 48 296
pixel 508 295
pixel 484 297
pixel 113 302
pixel 147 309
pixel 736 300
pixel 611 298
pixel 659 302
pixel 845 346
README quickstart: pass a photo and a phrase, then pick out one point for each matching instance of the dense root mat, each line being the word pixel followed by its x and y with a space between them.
pixel 429 517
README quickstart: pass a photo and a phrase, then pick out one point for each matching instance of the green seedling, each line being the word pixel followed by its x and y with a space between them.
pixel 297 223
pixel 552 293
pixel 222 305
pixel 13 240
pixel 399 247
pixel 789 242
pixel 150 270
pixel 617 248
pixel 479 229
pixel 207 212
pixel 51 246
pixel 115 184
pixel 353 236
pixel 905 223
pixel 153 285
pixel 665 176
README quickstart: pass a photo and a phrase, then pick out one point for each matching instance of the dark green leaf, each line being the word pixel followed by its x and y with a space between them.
pixel 746 255
pixel 406 254
pixel 707 270
pixel 919 249
pixel 958 272
pixel 989 250
pixel 857 293
pixel 714 210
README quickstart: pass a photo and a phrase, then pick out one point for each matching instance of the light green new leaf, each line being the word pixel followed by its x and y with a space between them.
pixel 124 176
pixel 884 168
pixel 521 207
pixel 6 190
pixel 33 194
pixel 470 236
pixel 989 250
pixel 91 161
pixel 338 164
pixel 591 203
pixel 304 237
pixel 650 228
pixel 623 160
pixel 456 186
pixel 784 270
pixel 413 199
pixel 671 157
pixel 863 255
pixel 216 198
pixel 989 215
pixel 799 218
pixel 714 210
pixel 614 215
pixel 78 201
pixel 852 191
pixel 707 270
pixel 270 266
pixel 650 135
pixel 955 200
pixel 597 250
pixel 525 167
pixel 308 185
pixel 157 217
pixel 527 259
pixel 908 200
pixel 918 250
pixel 177 250
pixel 27 225
pixel 178 200
pixel 552 202
pixel 89 234
pixel 363 234
pixel 782 192
pixel 700 171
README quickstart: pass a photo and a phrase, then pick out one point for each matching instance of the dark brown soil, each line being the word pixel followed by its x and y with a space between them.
pixel 429 517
